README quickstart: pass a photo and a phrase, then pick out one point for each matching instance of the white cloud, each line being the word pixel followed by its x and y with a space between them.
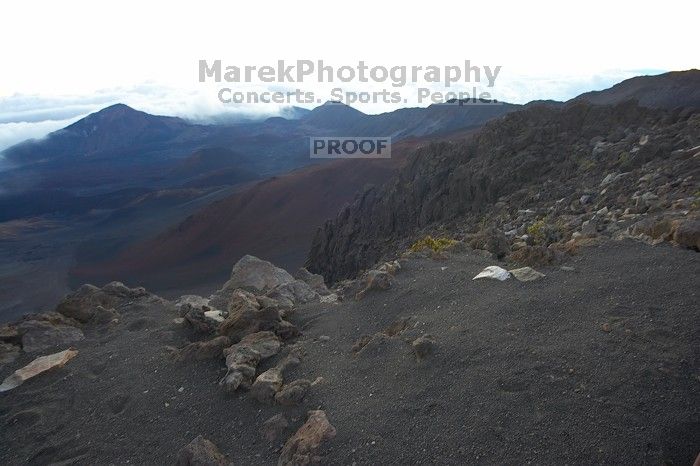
pixel 86 55
pixel 12 133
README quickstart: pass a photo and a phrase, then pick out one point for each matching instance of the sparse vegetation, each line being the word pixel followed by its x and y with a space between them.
pixel 436 244
pixel 536 231
pixel 624 160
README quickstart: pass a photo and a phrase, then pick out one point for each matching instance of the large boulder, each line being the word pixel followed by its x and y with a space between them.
pixel 253 275
pixel 262 278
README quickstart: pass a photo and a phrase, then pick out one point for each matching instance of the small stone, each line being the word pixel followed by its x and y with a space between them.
pixel 606 327
pixel 324 338
pixel 423 346
pixel 526 274
pixel 589 228
pixel 274 427
pixel 374 280
pixel 293 393
pixel 267 385
pixel 302 447
pixel 8 353
pixel 201 350
pixel 201 452
pixel 317 381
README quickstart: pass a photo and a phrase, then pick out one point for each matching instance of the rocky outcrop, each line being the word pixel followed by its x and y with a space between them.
pixel 248 315
pixel 82 304
pixel 262 278
pixel 537 176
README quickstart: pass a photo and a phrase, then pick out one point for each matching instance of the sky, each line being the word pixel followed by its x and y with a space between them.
pixel 63 60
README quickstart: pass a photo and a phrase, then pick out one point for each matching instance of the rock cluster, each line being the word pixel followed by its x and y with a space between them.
pixel 245 323
pixel 59 329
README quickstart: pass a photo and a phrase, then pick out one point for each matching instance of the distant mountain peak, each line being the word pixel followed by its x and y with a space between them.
pixel 333 114
pixel 667 90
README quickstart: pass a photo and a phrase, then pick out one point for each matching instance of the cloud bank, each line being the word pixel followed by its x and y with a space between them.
pixel 25 116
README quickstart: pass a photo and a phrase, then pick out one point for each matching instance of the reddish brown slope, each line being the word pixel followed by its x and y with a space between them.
pixel 274 219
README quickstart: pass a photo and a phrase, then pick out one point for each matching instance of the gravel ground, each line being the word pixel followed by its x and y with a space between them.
pixel 595 365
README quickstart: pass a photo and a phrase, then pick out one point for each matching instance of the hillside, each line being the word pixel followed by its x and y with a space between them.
pixel 668 90
pixel 274 219
pixel 549 165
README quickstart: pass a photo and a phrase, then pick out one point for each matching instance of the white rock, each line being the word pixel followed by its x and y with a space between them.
pixel 495 272
pixel 36 367
pixel 214 315
pixel 330 299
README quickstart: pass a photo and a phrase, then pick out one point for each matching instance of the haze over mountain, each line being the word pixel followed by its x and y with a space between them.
pixel 91 192
pixel 222 232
